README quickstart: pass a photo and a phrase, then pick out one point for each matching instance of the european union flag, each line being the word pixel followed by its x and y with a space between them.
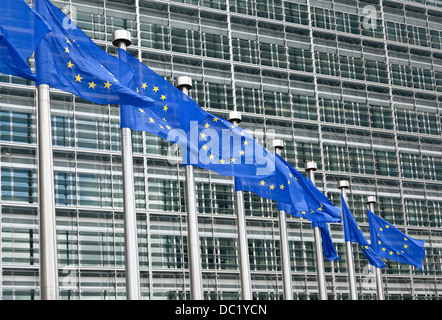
pixel 391 243
pixel 68 60
pixel 21 30
pixel 207 141
pixel 353 233
pixel 279 186
pixel 218 145
pixel 319 207
pixel 170 103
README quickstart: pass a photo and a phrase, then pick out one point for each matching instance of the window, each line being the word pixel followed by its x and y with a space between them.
pixel 19 185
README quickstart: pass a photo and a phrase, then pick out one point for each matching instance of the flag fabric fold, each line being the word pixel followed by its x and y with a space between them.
pixel 319 207
pixel 327 243
pixel 391 243
pixel 279 186
pixel 21 30
pixel 68 60
pixel 352 233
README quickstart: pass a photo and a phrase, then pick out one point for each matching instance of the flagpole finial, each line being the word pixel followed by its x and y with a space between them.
pixel 121 36
pixel 235 116
pixel 311 165
pixel 371 199
pixel 184 82
pixel 277 144
pixel 343 184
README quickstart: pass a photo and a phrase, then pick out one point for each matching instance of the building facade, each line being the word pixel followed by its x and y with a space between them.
pixel 353 85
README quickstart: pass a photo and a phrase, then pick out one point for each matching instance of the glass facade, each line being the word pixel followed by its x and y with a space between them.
pixel 353 85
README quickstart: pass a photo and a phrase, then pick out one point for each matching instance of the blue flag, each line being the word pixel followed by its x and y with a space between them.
pixel 319 207
pixel 353 233
pixel 207 141
pixel 67 59
pixel 280 186
pixel 327 242
pixel 21 30
pixel 391 243
pixel 218 145
pixel 170 103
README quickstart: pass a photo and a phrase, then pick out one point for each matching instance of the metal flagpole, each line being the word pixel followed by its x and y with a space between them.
pixel 311 167
pixel 184 83
pixel 122 39
pixel 243 246
pixel 278 145
pixel 371 200
pixel 343 185
pixel 48 232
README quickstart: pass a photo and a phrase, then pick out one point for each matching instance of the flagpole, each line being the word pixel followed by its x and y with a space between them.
pixel 311 167
pixel 343 186
pixel 122 39
pixel 184 83
pixel 243 246
pixel 371 200
pixel 48 232
pixel 278 145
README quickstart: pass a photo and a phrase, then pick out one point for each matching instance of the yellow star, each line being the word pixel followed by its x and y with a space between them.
pixel 288 181
pixel 67 41
pixel 165 108
pixel 319 209
pixel 383 249
pixel 203 136
pixel 92 85
pixel 406 246
pixel 387 226
pixel 78 78
pixel 163 97
pixel 151 120
pixel 241 152
pixel 233 159
pixel 391 253
pixel 221 161
pixel 303 212
pixel 138 90
pixel 212 157
pixel 207 126
pixel 405 239
pixel 70 65
pixel 164 119
pixel 141 110
pixel 381 229
pixel 67 50
pixel 168 128
pixel 215 119
pixel 281 187
pixel 263 182
pixel 144 86
pixel 312 211
pixel 161 126
pixel 379 242
pixel 245 142
pixel 155 89
pixel 272 187
pixel 107 85
pixel 205 147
